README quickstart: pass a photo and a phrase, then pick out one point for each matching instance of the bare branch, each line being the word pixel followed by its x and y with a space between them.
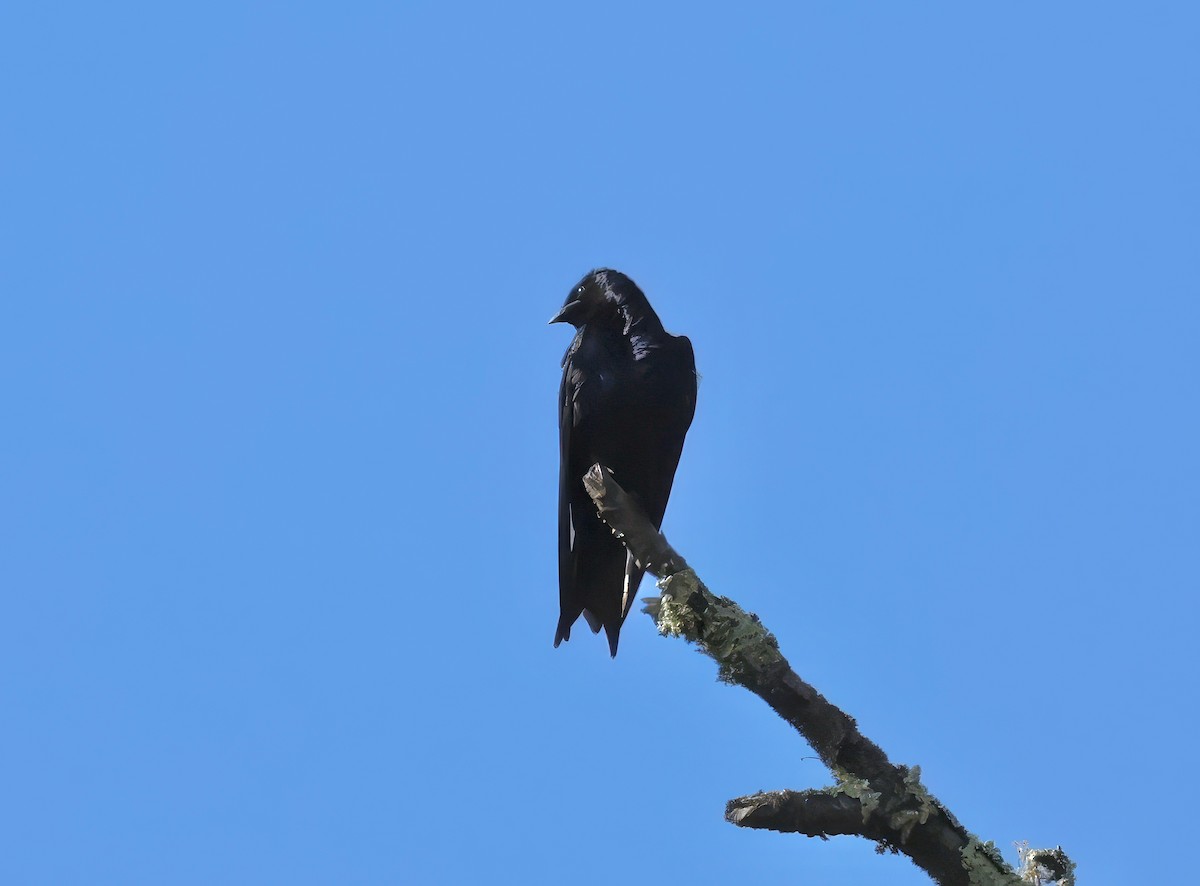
pixel 813 813
pixel 630 524
pixel 872 797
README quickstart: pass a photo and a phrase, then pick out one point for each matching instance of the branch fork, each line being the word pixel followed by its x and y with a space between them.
pixel 871 797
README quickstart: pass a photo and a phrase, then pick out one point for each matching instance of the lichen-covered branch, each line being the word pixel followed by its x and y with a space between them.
pixel 814 813
pixel 872 797
pixel 1040 866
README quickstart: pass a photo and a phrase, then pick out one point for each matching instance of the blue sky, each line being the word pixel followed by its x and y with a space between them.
pixel 278 498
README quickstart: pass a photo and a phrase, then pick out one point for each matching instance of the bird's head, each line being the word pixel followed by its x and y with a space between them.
pixel 605 297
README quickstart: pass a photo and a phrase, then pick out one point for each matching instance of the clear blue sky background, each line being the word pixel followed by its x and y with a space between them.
pixel 277 503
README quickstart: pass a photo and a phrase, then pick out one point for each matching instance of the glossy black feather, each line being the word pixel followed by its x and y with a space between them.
pixel 627 398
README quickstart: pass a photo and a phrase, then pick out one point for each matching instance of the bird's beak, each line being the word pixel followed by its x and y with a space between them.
pixel 567 312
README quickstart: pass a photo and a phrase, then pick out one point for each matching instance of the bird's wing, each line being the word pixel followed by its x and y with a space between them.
pixel 569 606
pixel 633 578
pixel 591 561
pixel 674 376
pixel 578 404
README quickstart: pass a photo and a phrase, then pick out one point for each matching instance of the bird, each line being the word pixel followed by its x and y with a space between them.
pixel 627 399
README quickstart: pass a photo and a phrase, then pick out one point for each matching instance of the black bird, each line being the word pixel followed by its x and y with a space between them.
pixel 627 399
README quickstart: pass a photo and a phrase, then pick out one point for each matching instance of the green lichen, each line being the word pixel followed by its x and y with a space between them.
pixel 905 818
pixel 1045 866
pixel 986 866
pixel 732 637
pixel 858 788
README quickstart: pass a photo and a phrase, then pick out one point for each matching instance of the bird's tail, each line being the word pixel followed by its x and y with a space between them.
pixel 567 619
pixel 612 630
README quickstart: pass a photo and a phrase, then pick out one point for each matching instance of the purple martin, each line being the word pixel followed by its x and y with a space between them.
pixel 627 399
